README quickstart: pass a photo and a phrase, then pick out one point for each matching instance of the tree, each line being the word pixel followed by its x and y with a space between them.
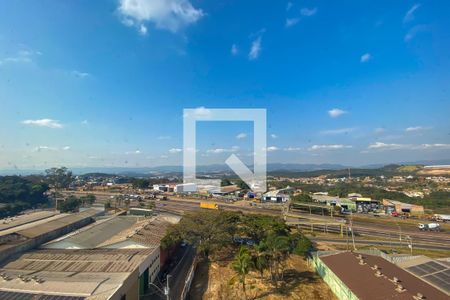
pixel 140 183
pixel 242 265
pixel 225 182
pixel 301 244
pixel 303 197
pixel 242 185
pixel 88 199
pixel 260 260
pixel 278 249
pixel 208 231
pixel 70 204
pixel 59 178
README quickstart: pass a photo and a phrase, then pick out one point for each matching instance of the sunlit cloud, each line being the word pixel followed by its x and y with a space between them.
pixel 50 123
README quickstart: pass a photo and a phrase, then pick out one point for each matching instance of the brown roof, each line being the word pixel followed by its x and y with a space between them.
pixel 364 284
pixel 96 260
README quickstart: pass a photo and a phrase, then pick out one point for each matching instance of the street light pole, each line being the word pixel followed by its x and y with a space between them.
pixel 167 286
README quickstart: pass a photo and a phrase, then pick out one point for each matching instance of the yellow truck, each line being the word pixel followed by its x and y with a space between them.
pixel 209 205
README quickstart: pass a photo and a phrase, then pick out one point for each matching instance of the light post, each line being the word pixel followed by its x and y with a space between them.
pixel 167 289
pixel 410 243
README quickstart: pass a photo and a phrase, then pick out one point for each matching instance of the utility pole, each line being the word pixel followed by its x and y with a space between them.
pixel 167 287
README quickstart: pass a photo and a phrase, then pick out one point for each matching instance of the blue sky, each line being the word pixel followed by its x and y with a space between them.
pixel 104 83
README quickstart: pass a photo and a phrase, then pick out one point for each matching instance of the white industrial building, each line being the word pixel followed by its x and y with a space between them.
pixel 185 188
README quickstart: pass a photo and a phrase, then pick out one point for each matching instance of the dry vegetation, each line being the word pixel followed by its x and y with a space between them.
pixel 216 281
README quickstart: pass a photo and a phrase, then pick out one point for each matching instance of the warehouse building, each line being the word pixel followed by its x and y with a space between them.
pixel 391 206
pixel 352 275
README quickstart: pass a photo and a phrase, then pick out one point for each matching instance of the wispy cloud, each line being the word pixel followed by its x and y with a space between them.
pixel 175 150
pixel 50 123
pixel 329 147
pixel 272 149
pixel 234 50
pixel 170 15
pixel 134 152
pixel 384 146
pixel 274 136
pixel 293 149
pixel 80 74
pixel 289 6
pixel 337 131
pixel 414 31
pixel 365 57
pixel 49 148
pixel 291 22
pixel 379 130
pixel 223 150
pixel 409 16
pixel 199 112
pixel 255 48
pixel 336 112
pixel 308 12
pixel 241 136
pixel 416 128
pixel 22 56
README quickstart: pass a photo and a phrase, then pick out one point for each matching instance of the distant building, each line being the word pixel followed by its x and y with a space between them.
pixel 161 187
pixel 277 196
pixel 185 188
pixel 400 207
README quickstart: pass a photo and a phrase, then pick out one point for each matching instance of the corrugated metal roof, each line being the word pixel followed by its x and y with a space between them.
pixel 95 235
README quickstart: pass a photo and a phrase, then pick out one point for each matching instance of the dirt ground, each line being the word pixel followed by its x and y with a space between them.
pixel 215 282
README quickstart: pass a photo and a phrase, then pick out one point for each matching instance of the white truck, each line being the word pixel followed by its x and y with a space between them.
pixel 440 217
pixel 430 227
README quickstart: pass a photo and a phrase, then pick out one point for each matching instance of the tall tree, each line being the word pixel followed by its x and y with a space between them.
pixel 242 265
pixel 59 178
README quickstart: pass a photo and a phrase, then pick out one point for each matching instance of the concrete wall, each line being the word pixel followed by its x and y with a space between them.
pixel 341 291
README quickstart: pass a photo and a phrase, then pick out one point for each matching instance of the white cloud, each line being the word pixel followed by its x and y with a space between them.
pixel 308 12
pixel 43 123
pixel 133 152
pixel 272 149
pixel 175 150
pixel 416 128
pixel 171 15
pixel 255 49
pixel 383 146
pixel 84 122
pixel 164 156
pixel 143 29
pixel 337 131
pixel 336 112
pixel 234 49
pixel 289 6
pixel 329 147
pixel 22 56
pixel 44 148
pixel 409 16
pixel 274 136
pixel 80 74
pixel 414 31
pixel 291 22
pixel 65 148
pixel 365 57
pixel 292 149
pixel 223 150
pixel 241 136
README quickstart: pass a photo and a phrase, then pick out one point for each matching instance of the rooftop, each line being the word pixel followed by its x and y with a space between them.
pixel 80 273
pixel 363 282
